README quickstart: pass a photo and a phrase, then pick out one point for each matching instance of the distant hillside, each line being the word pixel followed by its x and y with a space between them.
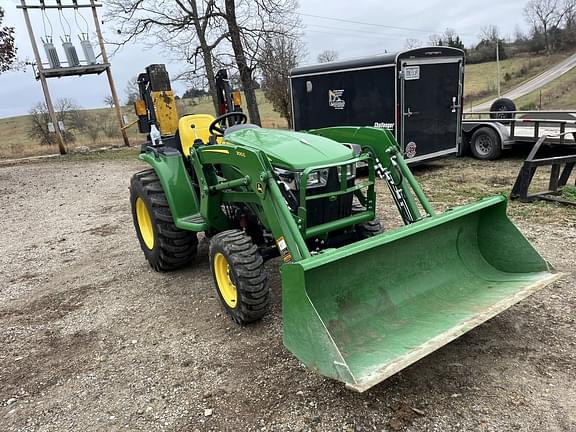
pixel 480 79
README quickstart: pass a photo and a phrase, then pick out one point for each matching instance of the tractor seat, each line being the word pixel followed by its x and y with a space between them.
pixel 238 127
pixel 192 127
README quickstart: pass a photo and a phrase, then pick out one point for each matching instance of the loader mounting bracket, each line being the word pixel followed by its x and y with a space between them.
pixel 561 169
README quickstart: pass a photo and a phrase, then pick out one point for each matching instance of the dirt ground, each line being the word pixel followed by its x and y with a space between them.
pixel 91 339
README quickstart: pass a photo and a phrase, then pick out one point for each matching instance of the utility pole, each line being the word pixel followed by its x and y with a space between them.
pixel 498 65
pixel 109 75
pixel 42 77
pixel 71 69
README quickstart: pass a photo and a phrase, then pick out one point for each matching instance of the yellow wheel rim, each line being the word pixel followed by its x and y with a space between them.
pixel 144 223
pixel 225 284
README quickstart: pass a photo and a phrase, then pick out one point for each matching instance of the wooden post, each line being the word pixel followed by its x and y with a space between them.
pixel 109 74
pixel 59 138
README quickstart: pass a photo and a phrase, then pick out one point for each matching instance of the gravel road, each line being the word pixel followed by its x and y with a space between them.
pixel 91 339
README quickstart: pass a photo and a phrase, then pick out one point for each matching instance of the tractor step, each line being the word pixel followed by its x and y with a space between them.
pixel 195 222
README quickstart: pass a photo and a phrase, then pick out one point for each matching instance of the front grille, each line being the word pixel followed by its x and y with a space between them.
pixel 324 210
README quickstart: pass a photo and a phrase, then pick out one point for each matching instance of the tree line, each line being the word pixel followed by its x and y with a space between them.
pixel 208 35
pixel 552 28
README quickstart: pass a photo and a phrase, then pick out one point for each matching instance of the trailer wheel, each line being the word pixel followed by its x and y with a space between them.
pixel 239 276
pixel 485 144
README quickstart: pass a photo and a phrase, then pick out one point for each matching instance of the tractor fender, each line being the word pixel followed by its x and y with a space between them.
pixel 177 185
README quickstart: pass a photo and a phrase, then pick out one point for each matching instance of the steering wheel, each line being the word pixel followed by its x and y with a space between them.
pixel 216 128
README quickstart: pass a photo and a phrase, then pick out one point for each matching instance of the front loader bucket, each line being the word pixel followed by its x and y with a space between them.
pixel 363 312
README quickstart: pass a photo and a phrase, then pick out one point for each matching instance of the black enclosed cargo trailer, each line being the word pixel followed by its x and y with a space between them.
pixel 416 93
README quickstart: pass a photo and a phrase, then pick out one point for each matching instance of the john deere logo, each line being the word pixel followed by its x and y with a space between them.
pixel 259 188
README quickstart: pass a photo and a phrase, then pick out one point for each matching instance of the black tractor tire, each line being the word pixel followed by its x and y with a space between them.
pixel 239 275
pixel 485 144
pixel 165 246
pixel 502 104
pixel 369 229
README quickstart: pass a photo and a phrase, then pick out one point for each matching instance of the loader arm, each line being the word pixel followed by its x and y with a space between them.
pixel 390 166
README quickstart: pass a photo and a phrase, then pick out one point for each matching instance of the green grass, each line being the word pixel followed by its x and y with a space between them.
pixel 17 141
pixel 569 192
pixel 270 118
pixel 556 95
pixel 480 79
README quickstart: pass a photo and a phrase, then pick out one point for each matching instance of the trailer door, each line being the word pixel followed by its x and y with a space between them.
pixel 430 95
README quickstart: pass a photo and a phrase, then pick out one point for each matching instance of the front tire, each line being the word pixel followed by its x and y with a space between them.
pixel 165 246
pixel 485 144
pixel 369 229
pixel 239 276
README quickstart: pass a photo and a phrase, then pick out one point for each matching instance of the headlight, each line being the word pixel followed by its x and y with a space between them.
pixel 350 171
pixel 288 178
pixel 291 179
pixel 317 178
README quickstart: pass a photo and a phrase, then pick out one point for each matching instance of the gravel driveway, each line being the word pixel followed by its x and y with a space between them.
pixel 91 339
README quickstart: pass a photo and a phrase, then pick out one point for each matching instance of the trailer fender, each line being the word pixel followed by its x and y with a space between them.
pixel 469 127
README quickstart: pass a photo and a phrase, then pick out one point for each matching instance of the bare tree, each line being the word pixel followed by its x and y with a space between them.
pixel 207 34
pixel 570 15
pixel 132 91
pixel 544 16
pixel 490 33
pixel 67 112
pixel 412 43
pixel 327 56
pixel 7 46
pixel 109 101
pixel 435 40
pixel 190 30
pixel 280 55
pixel 242 62
pixel 250 25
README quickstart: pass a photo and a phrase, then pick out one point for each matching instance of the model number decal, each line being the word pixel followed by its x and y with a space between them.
pixel 411 73
pixel 384 125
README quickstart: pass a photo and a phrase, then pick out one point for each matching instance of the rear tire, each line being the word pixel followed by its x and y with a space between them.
pixel 165 246
pixel 485 144
pixel 239 276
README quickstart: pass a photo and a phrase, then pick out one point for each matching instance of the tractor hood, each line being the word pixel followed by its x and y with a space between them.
pixel 291 150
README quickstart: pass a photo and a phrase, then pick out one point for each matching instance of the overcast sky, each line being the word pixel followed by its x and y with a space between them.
pixel 19 91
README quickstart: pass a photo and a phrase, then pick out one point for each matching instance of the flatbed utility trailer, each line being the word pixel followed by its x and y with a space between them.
pixel 487 137
pixel 416 94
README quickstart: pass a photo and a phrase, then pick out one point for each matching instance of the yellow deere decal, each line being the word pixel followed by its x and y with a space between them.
pixel 218 151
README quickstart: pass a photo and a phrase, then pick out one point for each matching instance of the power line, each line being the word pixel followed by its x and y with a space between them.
pixel 374 24
pixel 355 30
pixel 345 34
pixel 350 32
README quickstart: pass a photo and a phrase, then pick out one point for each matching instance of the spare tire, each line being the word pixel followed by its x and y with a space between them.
pixel 502 104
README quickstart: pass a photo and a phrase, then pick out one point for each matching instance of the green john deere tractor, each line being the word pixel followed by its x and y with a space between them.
pixel 359 304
